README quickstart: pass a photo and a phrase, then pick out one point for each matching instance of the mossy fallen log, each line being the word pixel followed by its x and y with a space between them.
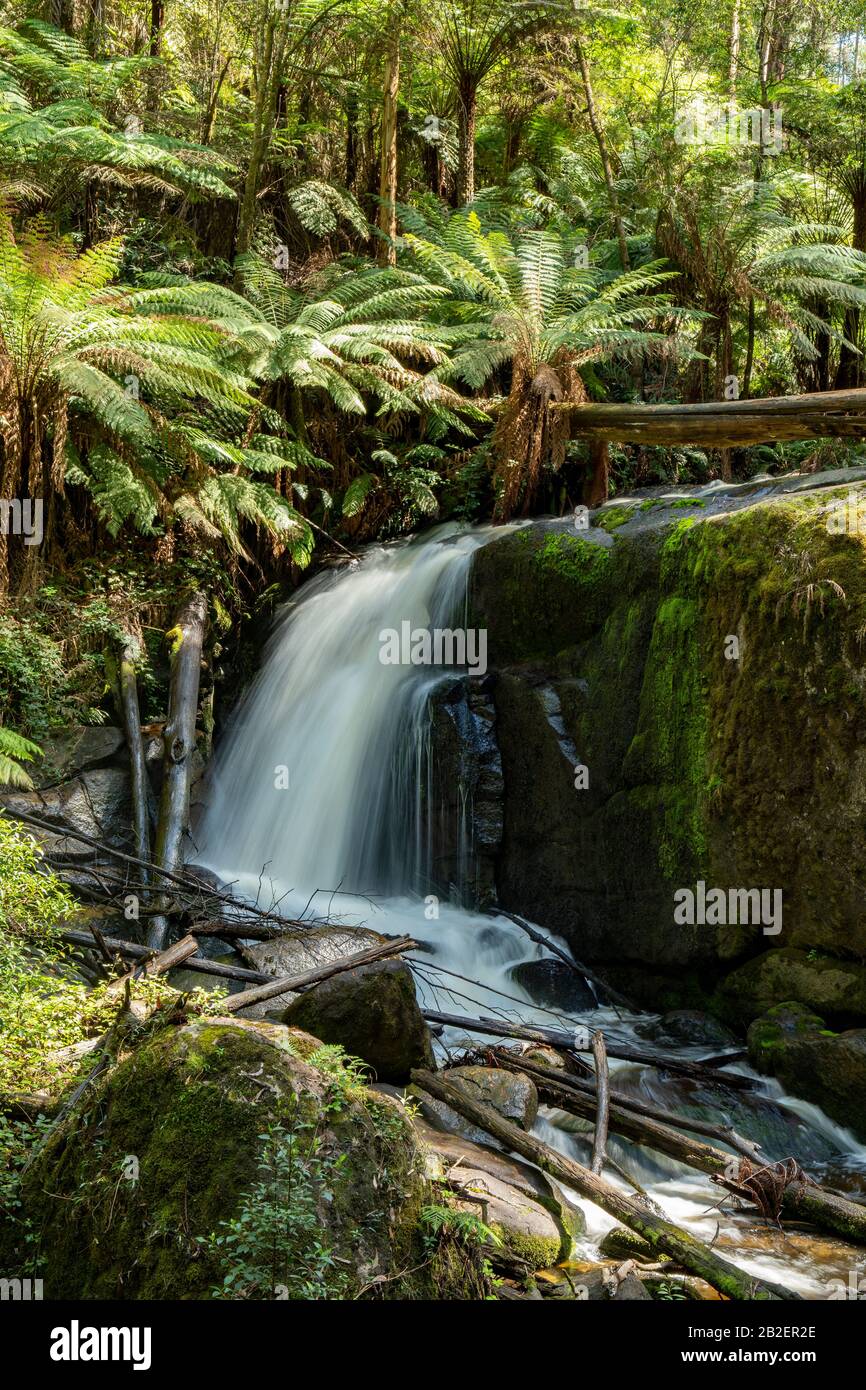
pixel 661 1235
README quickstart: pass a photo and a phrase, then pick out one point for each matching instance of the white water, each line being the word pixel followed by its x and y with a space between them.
pixel 347 840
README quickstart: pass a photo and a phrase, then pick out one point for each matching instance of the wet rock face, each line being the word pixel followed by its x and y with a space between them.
pixel 673 653
pixel 811 1061
pixel 465 808
pixel 373 1013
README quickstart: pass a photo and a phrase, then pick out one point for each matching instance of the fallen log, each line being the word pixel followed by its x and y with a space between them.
pixel 801 1200
pixel 602 1090
pixel 151 964
pixel 662 1235
pixel 577 1040
pixel 179 744
pixel 540 1074
pixel 722 424
pixel 198 963
pixel 318 973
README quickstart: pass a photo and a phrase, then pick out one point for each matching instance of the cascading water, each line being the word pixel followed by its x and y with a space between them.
pixel 319 798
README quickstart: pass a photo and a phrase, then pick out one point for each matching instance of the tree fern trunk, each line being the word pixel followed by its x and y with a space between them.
pixel 387 219
pixel 467 109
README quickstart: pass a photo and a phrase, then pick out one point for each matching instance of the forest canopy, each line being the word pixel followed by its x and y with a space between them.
pixel 273 271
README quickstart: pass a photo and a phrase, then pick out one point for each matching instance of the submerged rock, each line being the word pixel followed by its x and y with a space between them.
pixel 373 1013
pixel 827 1068
pixel 688 1028
pixel 555 985
pixel 128 1198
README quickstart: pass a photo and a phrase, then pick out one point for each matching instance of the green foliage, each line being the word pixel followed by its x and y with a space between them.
pixel 275 1246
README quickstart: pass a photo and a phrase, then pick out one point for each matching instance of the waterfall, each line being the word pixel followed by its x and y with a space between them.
pixel 319 798
pixel 323 784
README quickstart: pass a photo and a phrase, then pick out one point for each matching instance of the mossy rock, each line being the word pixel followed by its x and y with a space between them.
pixel 810 1060
pixel 835 989
pixel 371 1011
pixel 184 1113
pixel 739 763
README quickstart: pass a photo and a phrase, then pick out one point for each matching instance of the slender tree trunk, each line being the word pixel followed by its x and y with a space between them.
pixel 850 369
pixel 467 116
pixel 600 139
pixel 157 24
pixel 187 637
pixel 387 219
pixel 127 695
pixel 750 352
pixel 734 50
pixel 270 58
pixel 351 139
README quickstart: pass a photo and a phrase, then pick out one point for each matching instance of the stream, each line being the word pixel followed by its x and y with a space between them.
pixel 317 800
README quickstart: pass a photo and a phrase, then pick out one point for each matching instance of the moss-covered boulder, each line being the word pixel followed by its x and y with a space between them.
pixel 811 1061
pixel 373 1013
pixel 835 989
pixel 155 1188
pixel 701 660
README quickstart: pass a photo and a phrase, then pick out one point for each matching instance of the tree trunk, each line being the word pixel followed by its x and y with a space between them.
pixel 467 116
pixel 595 487
pixel 127 692
pixel 157 24
pixel 734 50
pixel 269 56
pixel 601 141
pixel 179 744
pixel 850 370
pixel 387 219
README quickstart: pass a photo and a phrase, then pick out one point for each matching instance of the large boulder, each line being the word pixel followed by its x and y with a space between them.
pixel 296 952
pixel 96 802
pixel 512 1095
pixel 130 1197
pixel 828 1068
pixel 524 1207
pixel 672 651
pixel 372 1011
pixel 835 989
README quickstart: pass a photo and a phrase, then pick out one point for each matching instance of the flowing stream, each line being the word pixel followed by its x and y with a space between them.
pixel 318 799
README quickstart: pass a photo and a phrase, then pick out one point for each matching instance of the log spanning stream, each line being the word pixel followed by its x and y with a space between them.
pixel 318 798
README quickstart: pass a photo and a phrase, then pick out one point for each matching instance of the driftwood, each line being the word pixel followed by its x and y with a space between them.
pixel 188 883
pixel 320 972
pixel 801 1200
pixel 577 1040
pixel 662 1235
pixel 602 1088
pixel 179 744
